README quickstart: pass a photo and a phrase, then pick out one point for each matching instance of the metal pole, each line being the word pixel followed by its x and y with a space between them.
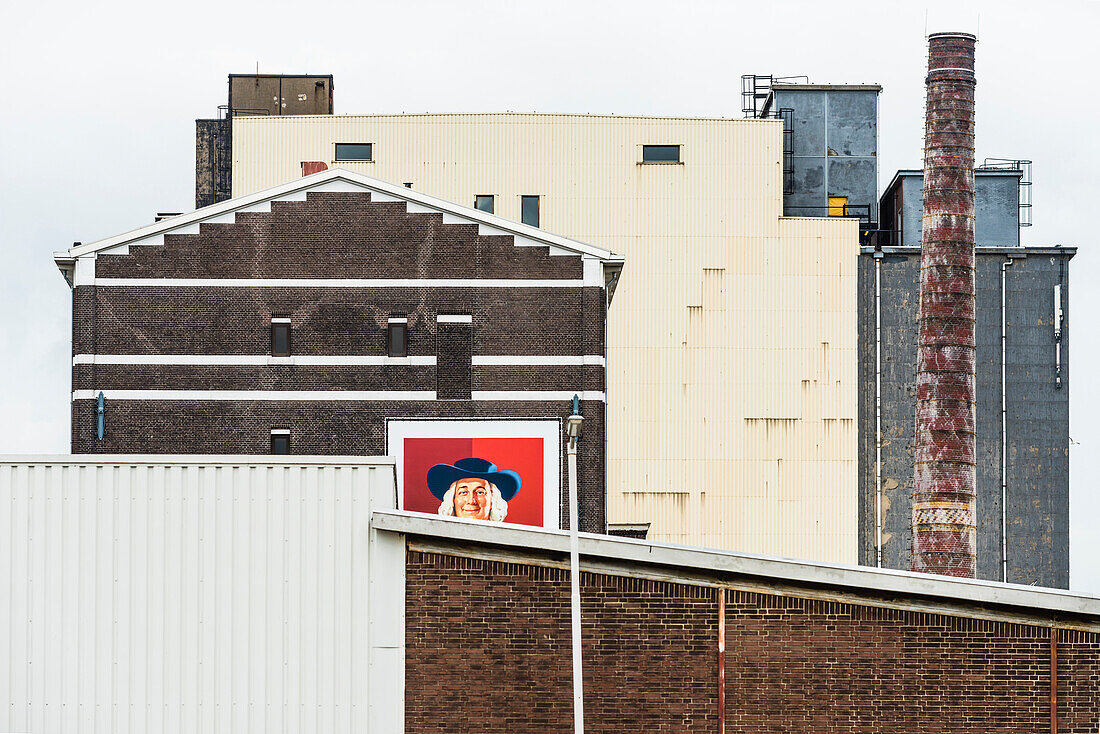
pixel 575 590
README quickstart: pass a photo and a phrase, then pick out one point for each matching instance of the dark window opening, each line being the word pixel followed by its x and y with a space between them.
pixel 280 442
pixel 280 337
pixel 660 154
pixel 354 151
pixel 397 338
pixel 529 210
pixel 484 202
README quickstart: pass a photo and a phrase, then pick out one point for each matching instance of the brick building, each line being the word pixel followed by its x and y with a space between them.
pixel 335 314
pixel 285 593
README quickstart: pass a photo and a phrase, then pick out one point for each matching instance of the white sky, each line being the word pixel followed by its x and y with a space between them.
pixel 98 126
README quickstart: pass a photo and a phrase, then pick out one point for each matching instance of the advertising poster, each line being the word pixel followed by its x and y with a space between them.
pixel 492 470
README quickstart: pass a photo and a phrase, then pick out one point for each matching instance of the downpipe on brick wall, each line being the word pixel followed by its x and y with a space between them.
pixel 878 408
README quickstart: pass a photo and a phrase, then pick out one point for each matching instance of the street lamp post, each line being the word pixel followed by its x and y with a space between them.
pixel 574 425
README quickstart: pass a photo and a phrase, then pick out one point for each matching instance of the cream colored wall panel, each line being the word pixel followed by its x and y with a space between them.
pixel 731 343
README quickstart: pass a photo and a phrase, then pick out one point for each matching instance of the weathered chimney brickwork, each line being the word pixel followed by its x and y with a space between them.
pixel 944 473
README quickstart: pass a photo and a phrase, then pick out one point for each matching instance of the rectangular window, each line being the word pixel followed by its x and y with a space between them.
pixel 660 154
pixel 280 441
pixel 397 337
pixel 484 202
pixel 280 336
pixel 354 151
pixel 529 210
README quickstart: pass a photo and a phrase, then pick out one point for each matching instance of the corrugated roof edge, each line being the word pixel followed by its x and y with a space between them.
pixel 693 560
pixel 275 119
pixel 195 459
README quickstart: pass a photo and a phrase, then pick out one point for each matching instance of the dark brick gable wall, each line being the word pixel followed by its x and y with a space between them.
pixel 332 236
pixel 501 631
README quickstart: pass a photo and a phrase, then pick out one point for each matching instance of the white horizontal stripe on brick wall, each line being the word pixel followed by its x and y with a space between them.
pixel 454 318
pixel 248 359
pixel 332 395
pixel 321 395
pixel 537 394
pixel 339 282
pixel 538 359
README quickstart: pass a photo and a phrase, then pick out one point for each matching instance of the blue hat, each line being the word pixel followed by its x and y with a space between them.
pixel 442 476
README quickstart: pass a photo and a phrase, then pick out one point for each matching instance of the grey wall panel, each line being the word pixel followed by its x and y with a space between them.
pixel 853 123
pixel 1038 415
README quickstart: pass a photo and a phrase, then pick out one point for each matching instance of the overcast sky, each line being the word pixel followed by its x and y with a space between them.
pixel 101 98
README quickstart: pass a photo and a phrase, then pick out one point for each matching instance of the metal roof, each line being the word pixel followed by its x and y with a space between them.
pixel 691 561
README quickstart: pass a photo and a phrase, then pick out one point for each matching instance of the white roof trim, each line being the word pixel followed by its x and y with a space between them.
pixel 339 179
pixel 694 560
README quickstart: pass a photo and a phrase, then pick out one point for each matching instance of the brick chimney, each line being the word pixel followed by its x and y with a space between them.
pixel 943 479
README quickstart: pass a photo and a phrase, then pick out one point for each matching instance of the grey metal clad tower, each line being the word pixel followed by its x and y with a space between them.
pixel 833 158
pixel 1022 381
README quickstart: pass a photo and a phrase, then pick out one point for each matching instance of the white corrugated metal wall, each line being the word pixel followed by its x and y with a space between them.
pixel 198 594
pixel 731 354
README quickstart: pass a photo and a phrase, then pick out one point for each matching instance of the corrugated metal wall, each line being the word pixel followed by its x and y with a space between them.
pixel 191 595
pixel 731 341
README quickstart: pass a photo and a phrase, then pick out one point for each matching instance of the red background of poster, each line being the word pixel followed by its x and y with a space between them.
pixel 522 455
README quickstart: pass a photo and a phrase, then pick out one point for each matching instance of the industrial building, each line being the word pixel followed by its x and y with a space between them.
pixel 731 407
pixel 256 593
pixel 588 177
pixel 339 314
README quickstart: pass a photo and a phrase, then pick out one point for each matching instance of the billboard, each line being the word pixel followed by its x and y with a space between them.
pixel 494 470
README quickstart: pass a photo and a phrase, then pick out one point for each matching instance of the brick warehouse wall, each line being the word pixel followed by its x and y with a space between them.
pixel 487 649
pixel 332 236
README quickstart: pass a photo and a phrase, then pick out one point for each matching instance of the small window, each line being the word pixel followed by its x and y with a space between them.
pixel 280 441
pixel 660 154
pixel 280 336
pixel 397 337
pixel 484 202
pixel 354 151
pixel 529 210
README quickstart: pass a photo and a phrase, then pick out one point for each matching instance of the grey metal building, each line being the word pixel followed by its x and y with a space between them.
pixel 830 146
pixel 1022 387
pixel 830 168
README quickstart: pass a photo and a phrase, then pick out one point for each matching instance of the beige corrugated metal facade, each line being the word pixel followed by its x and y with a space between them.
pixel 732 338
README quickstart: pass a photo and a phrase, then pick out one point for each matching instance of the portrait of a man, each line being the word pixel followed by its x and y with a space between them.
pixel 473 488
pixel 491 456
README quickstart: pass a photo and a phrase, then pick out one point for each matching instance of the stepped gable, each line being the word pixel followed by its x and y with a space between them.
pixel 338 235
pixel 334 224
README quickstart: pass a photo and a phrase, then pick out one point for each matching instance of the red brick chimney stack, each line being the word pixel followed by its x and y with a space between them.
pixel 943 488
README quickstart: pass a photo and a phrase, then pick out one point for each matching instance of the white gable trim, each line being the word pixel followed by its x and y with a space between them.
pixel 342 180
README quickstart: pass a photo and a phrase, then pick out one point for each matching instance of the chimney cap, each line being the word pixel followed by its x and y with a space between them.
pixel 953 34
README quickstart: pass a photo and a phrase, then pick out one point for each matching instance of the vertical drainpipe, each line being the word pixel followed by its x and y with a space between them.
pixel 721 660
pixel 1004 420
pixel 878 408
pixel 944 528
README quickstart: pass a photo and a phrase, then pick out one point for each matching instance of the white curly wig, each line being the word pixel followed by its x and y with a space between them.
pixel 498 508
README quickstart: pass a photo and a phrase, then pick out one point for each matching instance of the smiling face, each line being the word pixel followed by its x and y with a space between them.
pixel 472 498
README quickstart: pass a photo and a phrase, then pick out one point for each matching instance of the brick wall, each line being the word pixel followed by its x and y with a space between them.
pixel 500 631
pixel 333 236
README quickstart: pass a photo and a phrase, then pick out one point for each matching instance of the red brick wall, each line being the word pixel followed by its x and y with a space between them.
pixel 650 653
